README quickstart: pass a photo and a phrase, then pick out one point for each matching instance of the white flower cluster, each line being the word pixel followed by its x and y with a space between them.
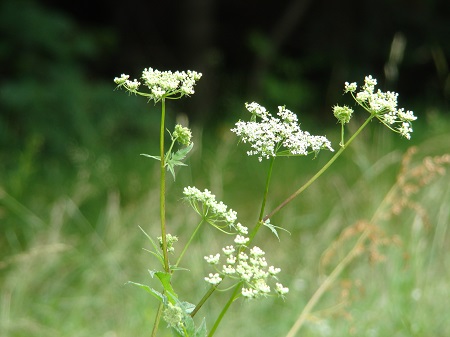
pixel 274 136
pixel 383 105
pixel 161 83
pixel 252 269
pixel 205 204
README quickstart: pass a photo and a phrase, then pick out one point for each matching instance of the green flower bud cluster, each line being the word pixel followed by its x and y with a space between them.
pixel 182 135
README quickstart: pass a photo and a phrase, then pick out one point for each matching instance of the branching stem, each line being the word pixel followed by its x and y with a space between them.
pixel 319 173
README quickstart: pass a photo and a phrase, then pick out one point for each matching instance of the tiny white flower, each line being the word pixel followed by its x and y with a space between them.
pixel 243 256
pixel 256 251
pixel 262 287
pixel 122 79
pixel 241 229
pixel 248 293
pixel 213 259
pixel 405 130
pixel 280 289
pixel 406 116
pixel 241 240
pixel 228 250
pixel 231 259
pixel 350 87
pixel 273 271
pixel 213 279
pixel 228 270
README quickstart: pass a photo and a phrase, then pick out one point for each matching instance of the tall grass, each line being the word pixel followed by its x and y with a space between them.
pixel 68 280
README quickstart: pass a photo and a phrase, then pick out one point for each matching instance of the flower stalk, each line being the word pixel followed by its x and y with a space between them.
pixel 162 191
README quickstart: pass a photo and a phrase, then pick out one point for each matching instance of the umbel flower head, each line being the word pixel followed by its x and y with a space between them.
pixel 270 136
pixel 382 105
pixel 161 84
pixel 214 212
pixel 249 268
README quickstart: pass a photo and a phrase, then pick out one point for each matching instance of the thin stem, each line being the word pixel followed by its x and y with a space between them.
pixel 157 319
pixel 327 283
pixel 162 195
pixel 162 208
pixel 266 190
pixel 225 309
pixel 263 205
pixel 188 243
pixel 319 173
pixel 203 300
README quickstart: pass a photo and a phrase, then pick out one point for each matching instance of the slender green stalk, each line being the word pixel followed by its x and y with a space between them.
pixel 157 319
pixel 225 309
pixel 203 300
pixel 263 205
pixel 162 200
pixel 319 173
pixel 188 243
pixel 162 194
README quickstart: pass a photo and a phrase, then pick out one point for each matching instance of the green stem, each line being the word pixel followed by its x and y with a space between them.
pixel 162 208
pixel 162 195
pixel 342 135
pixel 319 173
pixel 263 205
pixel 203 300
pixel 188 243
pixel 157 319
pixel 225 309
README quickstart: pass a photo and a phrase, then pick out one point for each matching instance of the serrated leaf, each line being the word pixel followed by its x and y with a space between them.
pixel 182 153
pixel 175 159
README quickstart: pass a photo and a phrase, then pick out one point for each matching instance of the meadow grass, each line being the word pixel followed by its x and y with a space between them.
pixel 69 279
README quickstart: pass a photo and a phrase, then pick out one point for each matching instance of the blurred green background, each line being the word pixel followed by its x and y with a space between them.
pixel 73 188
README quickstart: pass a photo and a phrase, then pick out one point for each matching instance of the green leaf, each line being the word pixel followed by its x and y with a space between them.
pixel 149 156
pixel 189 325
pixel 187 307
pixel 165 278
pixel 152 291
pixel 201 331
pixel 156 248
pixel 182 153
pixel 274 228
pixel 175 159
